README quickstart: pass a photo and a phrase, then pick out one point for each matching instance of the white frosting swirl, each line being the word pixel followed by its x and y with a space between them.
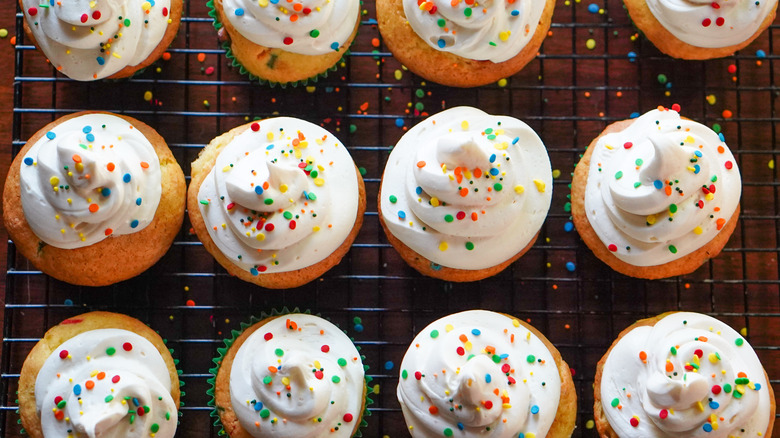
pixel 298 376
pixel 495 30
pixel 711 23
pixel 93 39
pixel 478 373
pixel 688 375
pixel 90 177
pixel 661 188
pixel 281 197
pixel 307 27
pixel 467 190
pixel 107 383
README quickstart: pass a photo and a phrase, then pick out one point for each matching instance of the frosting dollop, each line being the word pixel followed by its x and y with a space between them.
pixel 107 383
pixel 466 189
pixel 711 24
pixel 688 375
pixel 282 195
pixel 90 177
pixel 298 376
pixel 478 371
pixel 494 30
pixel 661 188
pixel 307 27
pixel 93 39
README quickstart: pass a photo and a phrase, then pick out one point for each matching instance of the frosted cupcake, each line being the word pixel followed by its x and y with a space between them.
pixel 701 30
pixel 656 196
pixel 276 202
pixel 682 374
pixel 464 194
pixel 88 40
pixel 463 43
pixel 286 42
pixel 481 373
pixel 291 375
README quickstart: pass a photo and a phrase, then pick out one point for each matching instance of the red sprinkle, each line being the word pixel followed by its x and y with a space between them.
pixel 676 107
pixel 488 404
pixel 57 400
pixel 716 389
pixel 460 351
pixel 325 349
pixel 699 353
pixel 127 346
pixel 115 379
pixel 663 414
pixel 268 336
pixel 32 11
pixel 729 165
pixel 612 247
pixel 706 22
pixel 287 41
pixel 292 225
pixel 84 18
pixel 348 418
pixel 318 374
pixel 269 227
pixel 255 127
pixel 628 145
pixel 165 12
pixel 719 21
pixel 64 354
pixel 96 15
pixel 634 422
pixel 505 368
pixel 418 375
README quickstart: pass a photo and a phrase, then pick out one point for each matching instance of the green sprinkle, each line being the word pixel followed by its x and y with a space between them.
pixel 742 381
pixel 739 342
pixel 204 201
pixel 674 351
pixel 448 432
pixel 531 358
pixel 342 362
pixel 287 215
pixel 442 22
pixel 268 201
pixel 469 245
pixel 673 208
pixel 498 187
pixel 393 199
pixel 448 218
pixel 108 398
pixel 155 427
pixel 267 380
pixel 279 352
pixel 127 22
pixel 615 402
pixel 637 184
pixel 435 334
pixel 619 174
pixel 404 374
pixel 336 379
pixel 639 162
pixel 265 413
pixel 496 358
pixel 467 12
pixel 727 388
pixel 672 249
pixel 61 404
pixel 110 351
pixel 314 33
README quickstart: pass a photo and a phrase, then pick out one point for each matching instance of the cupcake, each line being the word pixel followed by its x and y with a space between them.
pixel 276 202
pixel 682 374
pixel 99 374
pixel 481 373
pixel 88 40
pixel 656 196
pixel 94 198
pixel 309 360
pixel 461 43
pixel 282 42
pixel 464 194
pixel 701 30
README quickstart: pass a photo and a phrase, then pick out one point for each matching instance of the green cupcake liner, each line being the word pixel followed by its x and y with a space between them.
pixel 235 63
pixel 181 391
pixel 252 321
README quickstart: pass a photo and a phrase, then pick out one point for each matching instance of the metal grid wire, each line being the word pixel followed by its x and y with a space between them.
pixel 567 95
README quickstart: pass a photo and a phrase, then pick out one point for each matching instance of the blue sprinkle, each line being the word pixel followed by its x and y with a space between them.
pixel 50 135
pixel 418 190
pixel 668 85
pixel 100 60
pixel 68 302
pixel 568 226
pixel 493 158
pixel 696 169
pixel 633 115
pixel 335 46
pixel 259 190
pixel 239 12
pixel 721 137
pixel 488 378
pixel 460 426
pixel 371 21
pixel 761 53
pixel 28 161
pixel 534 409
pixel 269 147
pixel 494 171
pixel 515 13
pixel 435 267
pixel 714 405
pixel 77 389
pixel 134 223
pixel 87 129
pixel 707 427
pixel 593 8
pixel 126 177
pixel 138 201
pixel 275 2
pixel 515 140
pixel 697 153
pixel 658 184
pixel 135 401
pixel 570 266
pixel 328 89
pixel 389 365
pixel 476 332
pixel 105 191
pixel 504 356
pixel 758 386
pixel 258 406
pixel 402 214
pixel 442 44
pixel 358 328
pixel 90 137
pixel 399 122
pixel 253 271
pixel 632 56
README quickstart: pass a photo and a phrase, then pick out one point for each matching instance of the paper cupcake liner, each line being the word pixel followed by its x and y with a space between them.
pixel 181 391
pixel 235 63
pixel 234 334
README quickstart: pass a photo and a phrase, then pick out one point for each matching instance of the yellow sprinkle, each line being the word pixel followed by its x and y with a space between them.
pixel 319 182
pixel 443 246
pixel 700 406
pixel 283 188
pixel 285 381
pixel 315 228
pixel 589 424
pixel 448 328
pixel 539 185
pixel 270 136
pixel 435 202
pixel 743 331
pixel 689 139
pixel 516 323
pixel 709 196
pixel 504 36
pixel 226 168
pixel 650 219
pixel 54 180
pixel 468 345
pixel 713 358
pixel 260 237
pixel 697 230
pixel 519 189
pixel 464 125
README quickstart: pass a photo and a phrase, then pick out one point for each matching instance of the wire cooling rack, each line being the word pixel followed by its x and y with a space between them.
pixel 567 95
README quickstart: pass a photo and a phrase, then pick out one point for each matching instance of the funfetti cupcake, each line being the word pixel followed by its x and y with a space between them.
pixel 485 374
pixel 286 42
pixel 656 196
pixel 464 43
pixel 290 375
pixel 88 40
pixel 682 374
pixel 464 194
pixel 94 198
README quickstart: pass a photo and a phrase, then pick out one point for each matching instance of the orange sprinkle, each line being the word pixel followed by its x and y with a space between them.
pixel 464 192
pixel 201 57
pixel 741 374
pixel 101 375
pixel 463 338
pixel 421 164
pixel 727 114
pixel 273 370
pixel 76 158
pixel 721 149
pixel 433 410
pixel 166 56
pixel 669 367
pixel 144 164
pixel 474 216
pixel 703 338
pixel 720 222
pixel 643 356
pixel 110 167
pixel 375 42
pixel 93 208
pixel 90 384
pixel 668 190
